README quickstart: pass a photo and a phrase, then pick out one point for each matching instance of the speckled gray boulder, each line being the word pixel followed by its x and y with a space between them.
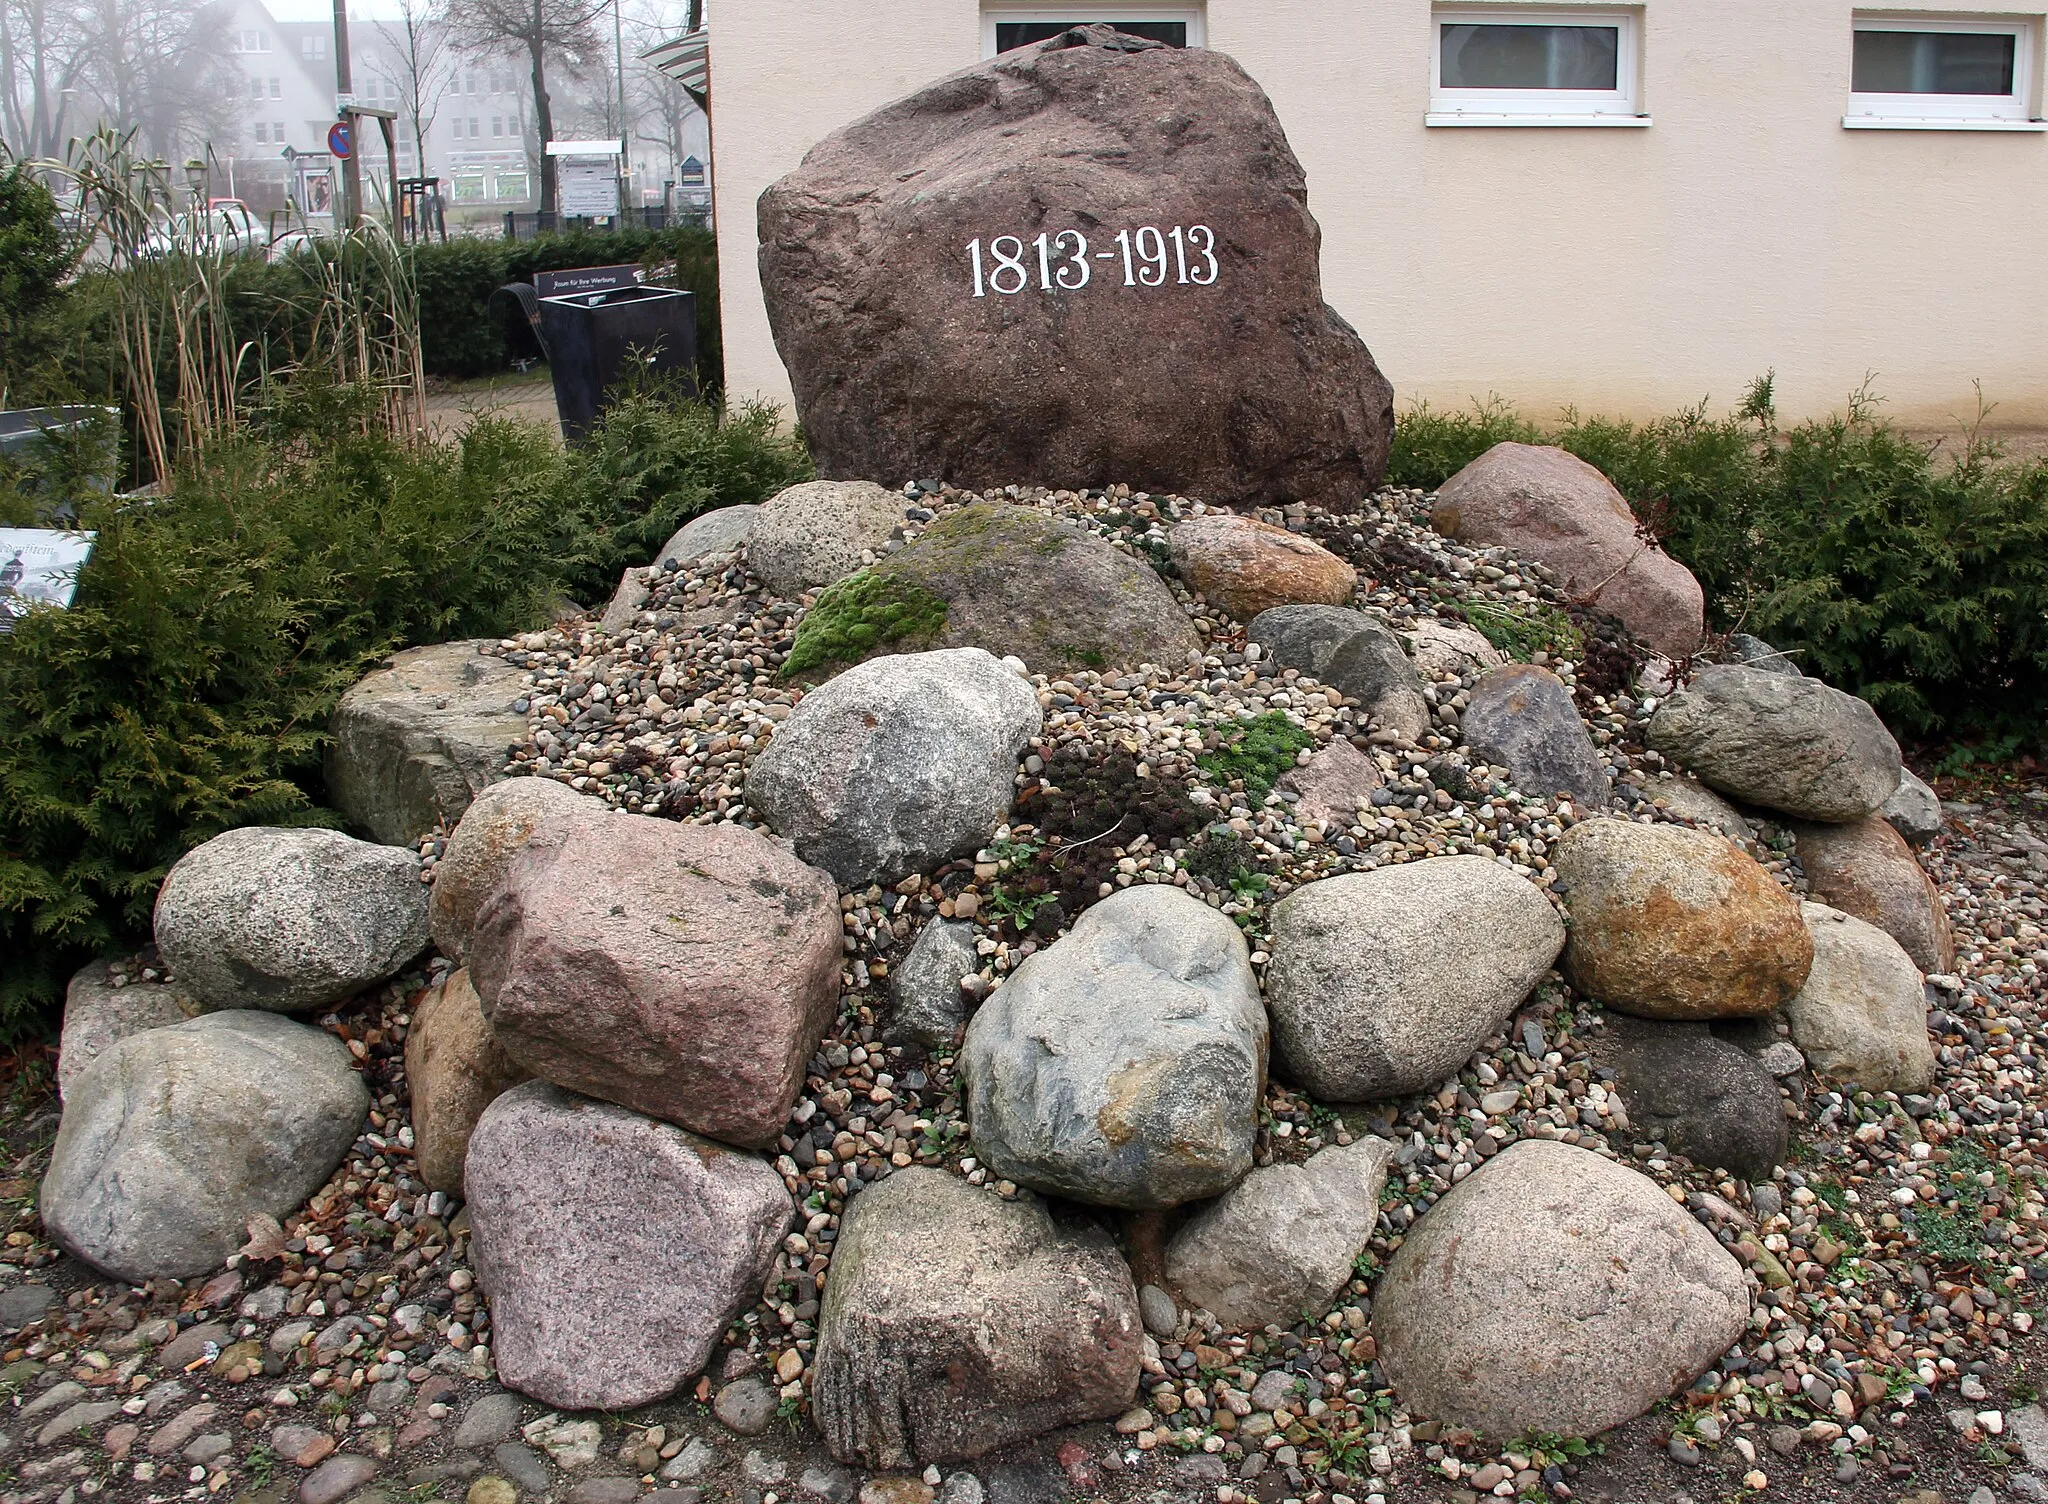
pixel 614 1248
pixel 174 1138
pixel 956 1322
pixel 480 851
pixel 924 990
pixel 1914 809
pixel 1522 718
pixel 1123 1065
pixel 1553 1290
pixel 1352 653
pixel 1281 1243
pixel 898 764
pixel 1701 1096
pixel 1384 982
pixel 808 536
pixel 266 917
pixel 1862 1014
pixel 715 532
pixel 1697 803
pixel 1780 740
pixel 97 1014
pixel 416 740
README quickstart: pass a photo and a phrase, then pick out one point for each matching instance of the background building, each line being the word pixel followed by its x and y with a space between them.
pixel 1624 208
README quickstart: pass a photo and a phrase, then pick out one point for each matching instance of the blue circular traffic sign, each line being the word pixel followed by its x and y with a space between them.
pixel 337 140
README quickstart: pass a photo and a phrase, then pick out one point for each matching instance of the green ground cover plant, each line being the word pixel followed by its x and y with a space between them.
pixel 188 688
pixel 1913 575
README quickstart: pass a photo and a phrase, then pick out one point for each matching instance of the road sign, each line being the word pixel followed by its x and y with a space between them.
pixel 289 154
pixel 337 140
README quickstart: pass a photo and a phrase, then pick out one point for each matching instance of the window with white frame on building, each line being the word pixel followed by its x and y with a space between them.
pixel 1914 72
pixel 277 88
pixel 1005 27
pixel 1507 65
pixel 313 48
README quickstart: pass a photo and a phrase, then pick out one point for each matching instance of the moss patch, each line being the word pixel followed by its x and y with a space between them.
pixel 861 613
pixel 1256 752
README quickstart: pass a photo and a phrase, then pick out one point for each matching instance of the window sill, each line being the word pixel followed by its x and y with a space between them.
pixel 1889 123
pixel 1468 119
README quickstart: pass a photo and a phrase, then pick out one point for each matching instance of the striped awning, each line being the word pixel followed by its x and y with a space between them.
pixel 687 60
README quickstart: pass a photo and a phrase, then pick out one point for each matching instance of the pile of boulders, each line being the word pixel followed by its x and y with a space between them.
pixel 618 1070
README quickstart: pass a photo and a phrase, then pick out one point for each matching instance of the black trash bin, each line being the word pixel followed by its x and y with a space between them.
pixel 593 337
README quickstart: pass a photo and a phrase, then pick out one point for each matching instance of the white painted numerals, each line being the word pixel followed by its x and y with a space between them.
pixel 1185 254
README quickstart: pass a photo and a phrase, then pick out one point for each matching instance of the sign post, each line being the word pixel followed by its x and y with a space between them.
pixel 344 87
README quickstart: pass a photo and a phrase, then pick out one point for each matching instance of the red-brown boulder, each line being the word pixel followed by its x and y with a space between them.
pixel 684 971
pixel 1172 335
pixel 1551 507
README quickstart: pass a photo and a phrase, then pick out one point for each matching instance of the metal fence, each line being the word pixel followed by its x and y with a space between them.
pixel 524 226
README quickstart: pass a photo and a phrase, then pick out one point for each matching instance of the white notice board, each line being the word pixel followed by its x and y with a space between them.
pixel 587 187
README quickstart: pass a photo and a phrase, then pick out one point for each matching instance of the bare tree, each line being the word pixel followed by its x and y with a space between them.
pixel 43 61
pixel 162 68
pixel 541 31
pixel 418 44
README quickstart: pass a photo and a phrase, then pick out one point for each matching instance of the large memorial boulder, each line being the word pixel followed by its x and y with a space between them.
pixel 1009 579
pixel 1169 331
pixel 1123 1065
pixel 416 740
pixel 1548 505
pixel 685 971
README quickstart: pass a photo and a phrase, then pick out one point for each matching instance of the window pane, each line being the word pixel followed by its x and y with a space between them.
pixel 1933 62
pixel 1010 34
pixel 1531 57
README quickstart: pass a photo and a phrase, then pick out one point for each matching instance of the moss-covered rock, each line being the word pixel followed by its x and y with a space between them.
pixel 1005 578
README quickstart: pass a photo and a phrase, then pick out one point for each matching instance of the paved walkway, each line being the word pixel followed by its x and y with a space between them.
pixel 530 396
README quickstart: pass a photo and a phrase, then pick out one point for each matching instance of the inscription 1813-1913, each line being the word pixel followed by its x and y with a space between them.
pixel 1080 263
pixel 1063 260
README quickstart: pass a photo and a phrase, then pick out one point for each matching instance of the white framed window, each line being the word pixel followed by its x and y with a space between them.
pixel 1917 72
pixel 277 88
pixel 313 48
pixel 1004 27
pixel 1517 65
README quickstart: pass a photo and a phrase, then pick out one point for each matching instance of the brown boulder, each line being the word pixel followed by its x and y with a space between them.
pixel 491 831
pixel 1246 566
pixel 1544 504
pixel 454 1069
pixel 685 971
pixel 1215 370
pixel 1867 869
pixel 1332 784
pixel 1668 922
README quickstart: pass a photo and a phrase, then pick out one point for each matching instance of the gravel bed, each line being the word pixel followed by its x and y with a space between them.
pixel 1900 1255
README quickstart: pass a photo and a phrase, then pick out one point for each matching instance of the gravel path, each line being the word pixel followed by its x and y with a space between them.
pixel 1889 1355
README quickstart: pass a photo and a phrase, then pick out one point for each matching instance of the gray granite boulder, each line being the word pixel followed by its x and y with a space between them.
pixel 808 536
pixel 1783 741
pixel 1442 648
pixel 97 1014
pixel 898 764
pixel 720 531
pixel 268 917
pixel 614 1249
pixel 1123 1065
pixel 1352 653
pixel 415 741
pixel 1754 652
pixel 924 990
pixel 1332 784
pixel 1914 809
pixel 174 1138
pixel 1862 1015
pixel 480 851
pixel 1699 804
pixel 1383 982
pixel 1701 1096
pixel 1553 1290
pixel 1280 1244
pixel 1522 718
pixel 956 1322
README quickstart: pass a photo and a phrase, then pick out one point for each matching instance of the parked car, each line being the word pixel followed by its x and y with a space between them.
pixel 224 228
pixel 296 242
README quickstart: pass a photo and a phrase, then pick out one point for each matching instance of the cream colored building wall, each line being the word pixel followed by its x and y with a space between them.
pixel 1625 271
